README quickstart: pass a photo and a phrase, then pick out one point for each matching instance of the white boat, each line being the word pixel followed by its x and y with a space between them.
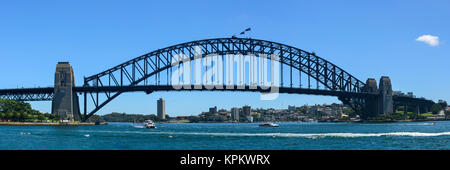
pixel 149 124
pixel 270 124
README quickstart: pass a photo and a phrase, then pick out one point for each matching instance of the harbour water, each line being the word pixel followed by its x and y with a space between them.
pixel 230 136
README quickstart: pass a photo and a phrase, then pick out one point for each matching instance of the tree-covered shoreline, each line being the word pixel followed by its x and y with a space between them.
pixel 18 111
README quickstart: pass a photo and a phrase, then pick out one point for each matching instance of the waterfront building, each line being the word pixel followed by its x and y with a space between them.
pixel 235 114
pixel 246 110
pixel 250 119
pixel 213 109
pixel 313 110
pixel 182 117
pixel 398 93
pixel 291 108
pixel 328 111
pixel 161 110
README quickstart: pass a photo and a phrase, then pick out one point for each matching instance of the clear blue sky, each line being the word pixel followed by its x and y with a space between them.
pixel 367 39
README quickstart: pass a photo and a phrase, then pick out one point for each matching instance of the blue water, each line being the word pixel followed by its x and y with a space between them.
pixel 231 136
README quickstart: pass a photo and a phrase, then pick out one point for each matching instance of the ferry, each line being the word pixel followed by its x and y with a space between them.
pixel 268 125
pixel 149 124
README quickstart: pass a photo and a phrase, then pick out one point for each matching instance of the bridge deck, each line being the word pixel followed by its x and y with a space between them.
pixel 28 94
pixel 46 93
pixel 153 88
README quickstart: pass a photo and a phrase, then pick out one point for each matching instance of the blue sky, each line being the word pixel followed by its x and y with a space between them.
pixel 365 38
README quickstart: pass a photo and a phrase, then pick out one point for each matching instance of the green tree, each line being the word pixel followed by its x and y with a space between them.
pixel 29 117
pixel 443 104
pixel 16 116
pixel 23 116
pixel 436 108
pixel 35 117
pixel 9 116
pixel 41 117
pixel 349 111
pixel 401 108
pixel 14 106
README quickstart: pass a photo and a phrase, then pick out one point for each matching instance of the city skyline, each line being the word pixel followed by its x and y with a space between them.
pixel 396 37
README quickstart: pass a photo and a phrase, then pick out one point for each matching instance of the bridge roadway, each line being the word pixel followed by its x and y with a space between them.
pixel 46 93
pixel 28 94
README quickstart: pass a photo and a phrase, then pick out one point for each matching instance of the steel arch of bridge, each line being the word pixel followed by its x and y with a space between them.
pixel 135 71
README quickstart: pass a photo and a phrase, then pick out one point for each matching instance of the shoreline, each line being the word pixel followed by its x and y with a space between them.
pixel 45 124
pixel 103 123
pixel 362 121
pixel 396 121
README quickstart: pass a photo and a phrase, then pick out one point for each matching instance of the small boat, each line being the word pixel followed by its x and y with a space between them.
pixel 149 124
pixel 433 123
pixel 268 125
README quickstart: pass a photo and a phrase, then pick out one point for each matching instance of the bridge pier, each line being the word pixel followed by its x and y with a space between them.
pixel 65 101
pixel 371 104
pixel 385 100
pixel 384 103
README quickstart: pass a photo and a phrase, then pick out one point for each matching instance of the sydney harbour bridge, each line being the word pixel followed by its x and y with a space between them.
pixel 299 72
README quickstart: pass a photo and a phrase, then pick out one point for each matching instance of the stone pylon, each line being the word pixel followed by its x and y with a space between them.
pixel 371 104
pixel 65 101
pixel 385 100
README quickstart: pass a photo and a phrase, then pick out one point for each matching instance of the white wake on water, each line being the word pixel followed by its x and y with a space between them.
pixel 315 135
pixel 304 135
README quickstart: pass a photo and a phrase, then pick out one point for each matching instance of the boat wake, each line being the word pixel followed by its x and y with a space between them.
pixel 315 135
pixel 289 135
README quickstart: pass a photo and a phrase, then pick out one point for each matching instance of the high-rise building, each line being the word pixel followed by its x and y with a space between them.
pixel 246 110
pixel 161 112
pixel 291 108
pixel 213 109
pixel 235 114
pixel 410 94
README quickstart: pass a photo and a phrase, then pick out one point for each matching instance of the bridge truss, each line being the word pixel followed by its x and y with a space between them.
pixel 298 69
pixel 28 94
